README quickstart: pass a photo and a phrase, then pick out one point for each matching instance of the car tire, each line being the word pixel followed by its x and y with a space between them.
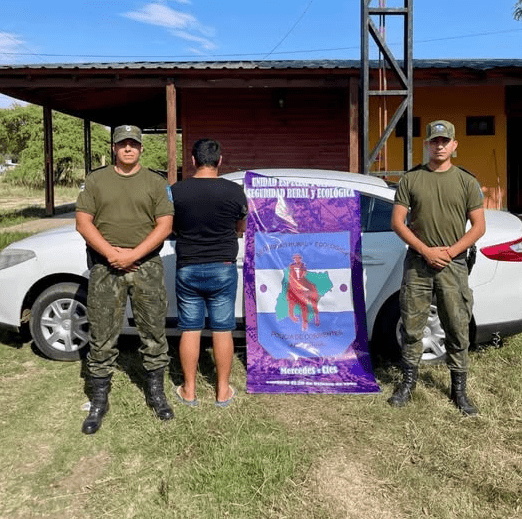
pixel 433 341
pixel 387 337
pixel 58 322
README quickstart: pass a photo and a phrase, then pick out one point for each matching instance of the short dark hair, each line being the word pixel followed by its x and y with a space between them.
pixel 206 152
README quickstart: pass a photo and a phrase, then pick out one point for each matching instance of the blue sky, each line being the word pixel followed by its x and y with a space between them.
pixel 56 31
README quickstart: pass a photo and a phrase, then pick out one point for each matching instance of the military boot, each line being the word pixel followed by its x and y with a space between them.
pixel 404 390
pixel 99 399
pixel 458 394
pixel 155 395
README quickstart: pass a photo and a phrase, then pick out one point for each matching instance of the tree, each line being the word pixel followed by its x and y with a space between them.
pixel 517 13
pixel 155 151
pixel 21 137
pixel 18 125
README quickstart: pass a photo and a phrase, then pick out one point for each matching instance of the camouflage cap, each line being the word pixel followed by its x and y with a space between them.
pixel 440 129
pixel 126 132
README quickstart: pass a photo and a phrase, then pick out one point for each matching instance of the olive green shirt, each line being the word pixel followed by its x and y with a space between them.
pixel 125 207
pixel 439 203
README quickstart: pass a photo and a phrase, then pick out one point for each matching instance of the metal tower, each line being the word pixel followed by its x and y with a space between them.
pixel 401 75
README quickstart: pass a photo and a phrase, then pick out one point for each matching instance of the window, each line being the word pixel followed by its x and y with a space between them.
pixel 483 125
pixel 400 129
pixel 375 214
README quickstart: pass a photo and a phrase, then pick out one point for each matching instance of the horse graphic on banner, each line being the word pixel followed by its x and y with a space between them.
pixel 301 292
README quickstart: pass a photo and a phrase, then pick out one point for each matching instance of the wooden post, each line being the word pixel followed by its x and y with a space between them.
pixel 354 160
pixel 48 160
pixel 87 145
pixel 171 132
pixel 113 157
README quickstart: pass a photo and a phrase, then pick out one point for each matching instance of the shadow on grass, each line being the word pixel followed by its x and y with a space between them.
pixel 428 380
pixel 385 375
pixel 240 351
pixel 12 339
pixel 36 211
pixel 392 374
pixel 130 362
pixel 18 216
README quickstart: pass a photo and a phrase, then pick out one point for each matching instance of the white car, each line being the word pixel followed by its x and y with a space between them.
pixel 44 278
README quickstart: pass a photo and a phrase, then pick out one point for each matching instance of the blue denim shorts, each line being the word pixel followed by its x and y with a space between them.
pixel 210 286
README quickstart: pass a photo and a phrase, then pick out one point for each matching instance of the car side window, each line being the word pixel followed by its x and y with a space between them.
pixel 375 214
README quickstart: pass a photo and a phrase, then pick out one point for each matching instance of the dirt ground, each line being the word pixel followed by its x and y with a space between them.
pixel 42 224
pixel 10 203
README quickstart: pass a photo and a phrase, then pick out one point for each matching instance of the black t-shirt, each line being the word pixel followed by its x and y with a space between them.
pixel 205 214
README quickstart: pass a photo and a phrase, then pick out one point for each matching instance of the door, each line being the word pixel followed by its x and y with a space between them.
pixel 514 164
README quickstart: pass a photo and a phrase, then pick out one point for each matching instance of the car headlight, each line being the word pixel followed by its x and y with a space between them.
pixel 12 257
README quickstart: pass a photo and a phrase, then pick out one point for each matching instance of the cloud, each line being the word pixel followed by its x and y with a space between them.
pixel 206 44
pixel 181 25
pixel 11 47
pixel 158 14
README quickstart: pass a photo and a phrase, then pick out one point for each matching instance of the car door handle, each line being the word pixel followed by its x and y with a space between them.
pixel 369 260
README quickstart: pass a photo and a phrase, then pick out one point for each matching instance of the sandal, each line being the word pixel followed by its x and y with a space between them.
pixel 226 403
pixel 184 401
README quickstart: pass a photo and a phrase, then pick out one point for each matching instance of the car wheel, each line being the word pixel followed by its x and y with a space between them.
pixel 434 350
pixel 58 322
pixel 388 339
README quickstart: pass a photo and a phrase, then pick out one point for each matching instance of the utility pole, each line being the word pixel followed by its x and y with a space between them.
pixel 401 73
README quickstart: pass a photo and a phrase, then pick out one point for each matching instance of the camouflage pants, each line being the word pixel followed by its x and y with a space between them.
pixel 106 302
pixel 454 301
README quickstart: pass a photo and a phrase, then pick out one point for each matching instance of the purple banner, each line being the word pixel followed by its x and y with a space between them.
pixel 304 297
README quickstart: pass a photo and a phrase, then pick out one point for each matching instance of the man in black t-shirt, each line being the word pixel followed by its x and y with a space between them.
pixel 209 212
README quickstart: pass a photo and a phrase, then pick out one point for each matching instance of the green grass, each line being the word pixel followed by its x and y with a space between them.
pixel 9 237
pixel 29 204
pixel 267 456
pixel 17 216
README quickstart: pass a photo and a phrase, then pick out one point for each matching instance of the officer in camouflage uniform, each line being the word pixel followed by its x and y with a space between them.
pixel 441 198
pixel 124 213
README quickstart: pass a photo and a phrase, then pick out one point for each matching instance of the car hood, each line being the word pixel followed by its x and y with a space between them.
pixel 43 240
